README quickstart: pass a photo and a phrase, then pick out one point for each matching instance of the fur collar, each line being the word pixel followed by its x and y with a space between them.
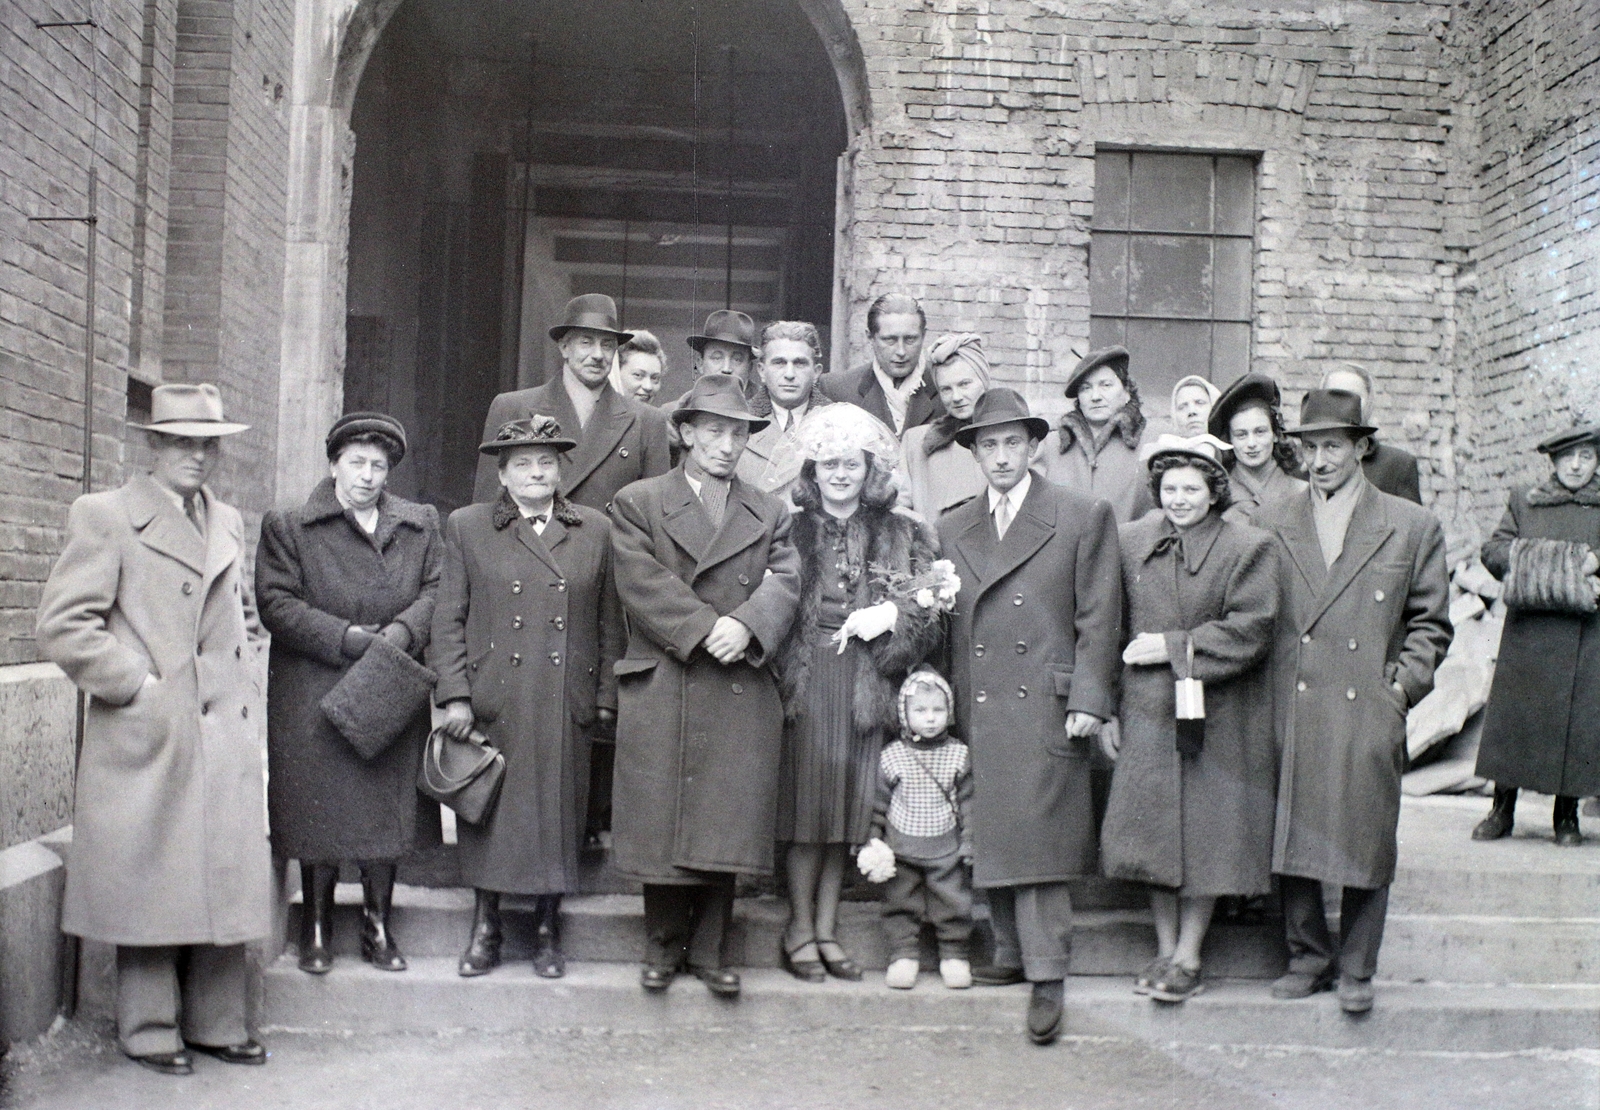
pixel 323 504
pixel 1552 492
pixel 1127 425
pixel 506 511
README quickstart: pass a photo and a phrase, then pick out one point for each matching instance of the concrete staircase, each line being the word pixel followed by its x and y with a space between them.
pixel 1488 947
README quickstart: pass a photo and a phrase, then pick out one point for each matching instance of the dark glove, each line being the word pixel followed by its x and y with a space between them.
pixel 398 635
pixel 605 724
pixel 357 639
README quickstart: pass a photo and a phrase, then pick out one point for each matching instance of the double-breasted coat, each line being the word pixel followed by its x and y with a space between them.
pixel 623 441
pixel 317 573
pixel 698 742
pixel 1541 728
pixel 1036 633
pixel 169 829
pixel 527 627
pixel 1201 825
pixel 1379 615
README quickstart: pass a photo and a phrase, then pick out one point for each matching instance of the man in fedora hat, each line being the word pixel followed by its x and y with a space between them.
pixel 619 439
pixel 1035 645
pixel 896 385
pixel 726 346
pixel 710 581
pixel 1390 468
pixel 147 611
pixel 1363 620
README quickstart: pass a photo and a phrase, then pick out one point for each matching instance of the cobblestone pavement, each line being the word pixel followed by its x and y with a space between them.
pixel 78 1067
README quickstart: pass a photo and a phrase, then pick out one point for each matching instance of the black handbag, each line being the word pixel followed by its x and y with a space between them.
pixel 464 774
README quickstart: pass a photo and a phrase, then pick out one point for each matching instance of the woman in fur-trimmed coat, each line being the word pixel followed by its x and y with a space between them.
pixel 1094 447
pixel 1541 728
pixel 840 707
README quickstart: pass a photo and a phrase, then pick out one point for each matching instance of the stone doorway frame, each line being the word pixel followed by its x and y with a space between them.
pixel 333 40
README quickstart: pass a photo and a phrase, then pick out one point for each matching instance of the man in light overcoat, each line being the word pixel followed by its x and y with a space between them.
pixel 1363 620
pixel 710 581
pixel 147 611
pixel 1035 647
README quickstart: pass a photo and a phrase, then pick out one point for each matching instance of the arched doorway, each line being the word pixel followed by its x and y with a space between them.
pixel 509 155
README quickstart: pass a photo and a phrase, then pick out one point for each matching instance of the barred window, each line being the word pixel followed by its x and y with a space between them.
pixel 1171 247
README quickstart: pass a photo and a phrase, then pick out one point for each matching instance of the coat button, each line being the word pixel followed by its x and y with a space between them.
pixel 1305 638
pixel 1022 691
pixel 561 586
pixel 1022 648
pixel 516 659
pixel 199 649
pixel 737 688
pixel 981 695
pixel 187 588
pixel 516 587
pixel 244 711
pixel 1352 645
pixel 1017 600
pixel 608 508
pixel 744 580
pixel 1377 595
pixel 238 653
pixel 516 622
pixel 1301 686
pixel 204 709
pixel 555 658
pixel 623 452
pixel 978 650
pixel 1351 693
pixel 560 623
pixel 591 670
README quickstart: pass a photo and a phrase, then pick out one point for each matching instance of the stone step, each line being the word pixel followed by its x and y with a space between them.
pixel 1465 949
pixel 610 927
pixel 432 998
pixel 1442 870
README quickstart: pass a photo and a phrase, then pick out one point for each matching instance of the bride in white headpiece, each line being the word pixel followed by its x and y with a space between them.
pixel 853 640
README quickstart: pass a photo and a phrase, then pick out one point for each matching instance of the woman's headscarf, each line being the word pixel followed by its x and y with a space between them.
pixel 968 347
pixel 1184 383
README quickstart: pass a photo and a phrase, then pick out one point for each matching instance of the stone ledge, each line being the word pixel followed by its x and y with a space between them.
pixel 38 721
pixel 32 877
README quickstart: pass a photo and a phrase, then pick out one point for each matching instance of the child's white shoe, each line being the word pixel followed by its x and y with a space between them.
pixel 902 974
pixel 956 973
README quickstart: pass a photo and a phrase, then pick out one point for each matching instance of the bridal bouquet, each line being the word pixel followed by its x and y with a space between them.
pixel 934 588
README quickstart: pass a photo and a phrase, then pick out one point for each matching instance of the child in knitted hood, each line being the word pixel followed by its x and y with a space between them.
pixel 922 843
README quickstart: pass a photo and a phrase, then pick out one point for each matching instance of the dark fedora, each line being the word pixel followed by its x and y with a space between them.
pixel 594 311
pixel 1569 438
pixel 1330 410
pixel 1244 389
pixel 535 431
pixel 1001 406
pixel 718 395
pixel 1114 357
pixel 353 424
pixel 726 325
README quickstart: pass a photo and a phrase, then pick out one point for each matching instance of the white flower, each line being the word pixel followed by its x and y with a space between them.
pixel 925 598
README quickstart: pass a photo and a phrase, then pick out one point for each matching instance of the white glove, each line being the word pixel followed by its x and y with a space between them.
pixel 876 861
pixel 868 624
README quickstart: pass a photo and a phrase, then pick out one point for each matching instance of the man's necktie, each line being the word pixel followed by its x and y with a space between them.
pixel 1002 516
pixel 191 509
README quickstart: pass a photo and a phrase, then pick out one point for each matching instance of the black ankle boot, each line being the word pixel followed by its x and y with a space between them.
pixel 377 899
pixel 1501 815
pixel 548 963
pixel 317 881
pixel 483 950
pixel 1565 818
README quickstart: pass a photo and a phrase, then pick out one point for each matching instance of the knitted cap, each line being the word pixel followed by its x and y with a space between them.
pixel 923 678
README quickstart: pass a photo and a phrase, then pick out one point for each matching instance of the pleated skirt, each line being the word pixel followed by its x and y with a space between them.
pixel 829 774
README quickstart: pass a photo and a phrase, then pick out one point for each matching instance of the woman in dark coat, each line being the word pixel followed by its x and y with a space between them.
pixel 1193 821
pixel 841 666
pixel 1266 464
pixel 526 630
pixel 1541 728
pixel 352 564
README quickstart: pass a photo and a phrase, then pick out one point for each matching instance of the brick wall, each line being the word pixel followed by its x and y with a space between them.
pixel 1537 350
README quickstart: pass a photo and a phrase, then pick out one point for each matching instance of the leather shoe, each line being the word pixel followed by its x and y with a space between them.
pixel 720 981
pixel 167 1063
pixel 1355 995
pixel 250 1052
pixel 1301 984
pixel 1044 1011
pixel 656 979
pixel 991 976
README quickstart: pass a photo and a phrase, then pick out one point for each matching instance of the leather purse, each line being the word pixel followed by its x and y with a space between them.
pixel 464 774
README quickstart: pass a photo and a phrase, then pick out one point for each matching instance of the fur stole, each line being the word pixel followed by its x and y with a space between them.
pixel 1547 575
pixel 1127 425
pixel 506 512
pixel 1553 492
pixel 881 537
